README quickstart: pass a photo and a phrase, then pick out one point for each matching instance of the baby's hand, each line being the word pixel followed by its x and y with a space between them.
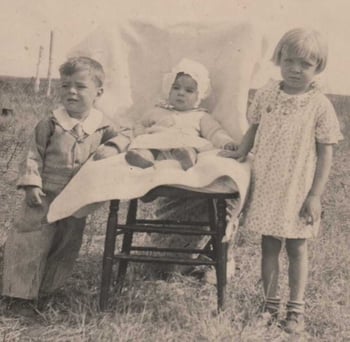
pixel 33 196
pixel 154 129
pixel 166 121
pixel 105 151
pixel 311 209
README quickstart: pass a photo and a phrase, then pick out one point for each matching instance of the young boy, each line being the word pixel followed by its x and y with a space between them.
pixel 38 256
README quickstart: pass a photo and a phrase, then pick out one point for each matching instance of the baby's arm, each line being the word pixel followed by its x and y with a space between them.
pixel 311 209
pixel 153 121
pixel 210 129
pixel 141 125
pixel 118 140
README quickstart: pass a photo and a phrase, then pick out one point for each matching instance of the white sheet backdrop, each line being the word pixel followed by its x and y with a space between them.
pixel 135 55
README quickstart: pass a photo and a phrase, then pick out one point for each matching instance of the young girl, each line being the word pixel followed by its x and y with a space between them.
pixel 175 129
pixel 293 129
pixel 39 256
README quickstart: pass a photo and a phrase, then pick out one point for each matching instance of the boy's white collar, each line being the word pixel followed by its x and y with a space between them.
pixel 89 125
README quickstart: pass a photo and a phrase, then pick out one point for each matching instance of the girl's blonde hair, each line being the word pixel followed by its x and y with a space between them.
pixel 306 43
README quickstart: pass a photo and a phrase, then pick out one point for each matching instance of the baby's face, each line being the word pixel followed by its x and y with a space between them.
pixel 183 93
pixel 78 93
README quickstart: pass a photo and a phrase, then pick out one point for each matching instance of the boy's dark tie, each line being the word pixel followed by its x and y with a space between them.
pixel 78 132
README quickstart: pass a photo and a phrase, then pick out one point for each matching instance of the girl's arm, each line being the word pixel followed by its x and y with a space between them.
pixel 245 146
pixel 248 141
pixel 311 209
pixel 323 167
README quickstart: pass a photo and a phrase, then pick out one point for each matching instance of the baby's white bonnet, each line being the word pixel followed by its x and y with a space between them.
pixel 193 68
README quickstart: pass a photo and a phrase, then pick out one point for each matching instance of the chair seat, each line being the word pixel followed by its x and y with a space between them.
pixel 179 192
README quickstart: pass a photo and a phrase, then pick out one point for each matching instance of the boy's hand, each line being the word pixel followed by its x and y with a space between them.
pixel 33 196
pixel 105 151
pixel 311 209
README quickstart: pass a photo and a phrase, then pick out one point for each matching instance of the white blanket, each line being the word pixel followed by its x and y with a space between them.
pixel 113 178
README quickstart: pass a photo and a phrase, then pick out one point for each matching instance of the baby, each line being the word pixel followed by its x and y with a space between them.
pixel 178 129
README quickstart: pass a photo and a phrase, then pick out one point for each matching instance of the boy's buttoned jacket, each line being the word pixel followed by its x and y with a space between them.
pixel 58 148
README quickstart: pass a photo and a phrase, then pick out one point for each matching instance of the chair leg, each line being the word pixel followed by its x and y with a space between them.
pixel 127 241
pixel 108 254
pixel 212 225
pixel 221 253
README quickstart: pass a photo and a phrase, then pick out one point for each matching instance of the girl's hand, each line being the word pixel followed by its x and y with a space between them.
pixel 105 151
pixel 311 209
pixel 33 196
pixel 238 155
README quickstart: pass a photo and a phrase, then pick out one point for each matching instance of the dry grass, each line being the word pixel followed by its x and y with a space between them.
pixel 181 309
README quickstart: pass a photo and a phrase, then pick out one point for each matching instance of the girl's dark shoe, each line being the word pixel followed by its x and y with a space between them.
pixel 268 317
pixel 294 323
pixel 270 311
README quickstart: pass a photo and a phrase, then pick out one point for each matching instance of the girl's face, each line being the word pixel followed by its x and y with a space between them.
pixel 183 93
pixel 297 72
pixel 78 93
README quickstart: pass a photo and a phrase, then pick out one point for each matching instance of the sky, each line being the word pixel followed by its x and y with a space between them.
pixel 25 25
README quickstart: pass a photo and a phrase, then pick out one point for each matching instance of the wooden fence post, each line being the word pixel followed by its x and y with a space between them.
pixel 50 64
pixel 37 76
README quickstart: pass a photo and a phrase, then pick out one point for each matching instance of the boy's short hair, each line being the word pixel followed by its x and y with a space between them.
pixel 305 43
pixel 75 64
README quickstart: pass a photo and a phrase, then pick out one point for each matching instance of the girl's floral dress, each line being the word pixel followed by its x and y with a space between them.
pixel 285 157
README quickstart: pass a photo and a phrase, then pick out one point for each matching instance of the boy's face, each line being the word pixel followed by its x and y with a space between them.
pixel 78 93
pixel 183 93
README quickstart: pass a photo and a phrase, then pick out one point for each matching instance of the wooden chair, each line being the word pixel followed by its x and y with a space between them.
pixel 215 250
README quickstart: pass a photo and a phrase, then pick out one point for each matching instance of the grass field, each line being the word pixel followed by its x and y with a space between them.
pixel 180 309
